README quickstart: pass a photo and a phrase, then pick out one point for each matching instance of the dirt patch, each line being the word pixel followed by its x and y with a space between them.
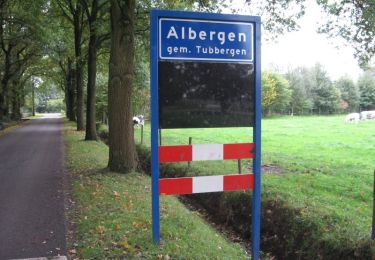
pixel 272 169
pixel 267 168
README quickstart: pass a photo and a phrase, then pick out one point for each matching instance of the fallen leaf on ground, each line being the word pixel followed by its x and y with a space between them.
pixel 116 194
pixel 124 244
pixel 100 230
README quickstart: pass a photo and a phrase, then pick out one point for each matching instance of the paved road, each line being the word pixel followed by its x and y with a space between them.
pixel 32 222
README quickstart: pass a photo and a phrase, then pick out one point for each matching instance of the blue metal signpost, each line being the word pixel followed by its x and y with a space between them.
pixel 204 37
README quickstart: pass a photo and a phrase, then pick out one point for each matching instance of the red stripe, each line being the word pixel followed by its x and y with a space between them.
pixel 238 182
pixel 175 153
pixel 238 151
pixel 170 186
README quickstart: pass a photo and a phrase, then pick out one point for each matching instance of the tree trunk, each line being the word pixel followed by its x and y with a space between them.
pixel 91 89
pixel 79 67
pixel 16 101
pixel 80 97
pixel 71 102
pixel 2 102
pixel 91 81
pixel 69 92
pixel 4 97
pixel 122 153
pixel 16 108
pixel 33 99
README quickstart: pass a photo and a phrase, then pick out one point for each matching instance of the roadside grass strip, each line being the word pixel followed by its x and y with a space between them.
pixel 11 126
pixel 8 127
pixel 112 213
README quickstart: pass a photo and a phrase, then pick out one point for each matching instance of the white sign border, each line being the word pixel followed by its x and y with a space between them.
pixel 207 59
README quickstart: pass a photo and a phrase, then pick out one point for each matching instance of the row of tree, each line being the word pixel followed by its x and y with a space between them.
pixel 96 52
pixel 311 91
pixel 116 32
pixel 21 48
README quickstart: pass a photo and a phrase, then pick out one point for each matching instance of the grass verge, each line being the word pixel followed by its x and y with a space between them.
pixel 10 126
pixel 113 213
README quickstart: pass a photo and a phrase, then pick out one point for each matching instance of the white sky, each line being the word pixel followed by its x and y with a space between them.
pixel 307 47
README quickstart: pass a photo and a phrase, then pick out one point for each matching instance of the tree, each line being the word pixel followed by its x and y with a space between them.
pixel 326 96
pixel 73 12
pixel 122 155
pixel 278 17
pixel 21 42
pixel 58 63
pixel 366 85
pixel 354 21
pixel 301 100
pixel 68 73
pixel 349 93
pixel 275 93
pixel 94 10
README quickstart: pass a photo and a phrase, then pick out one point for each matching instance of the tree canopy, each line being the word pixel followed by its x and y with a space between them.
pixel 354 21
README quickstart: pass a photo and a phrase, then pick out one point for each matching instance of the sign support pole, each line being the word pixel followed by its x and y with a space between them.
pixel 155 132
pixel 257 162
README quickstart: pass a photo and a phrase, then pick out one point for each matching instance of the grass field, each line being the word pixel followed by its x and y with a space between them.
pixel 326 168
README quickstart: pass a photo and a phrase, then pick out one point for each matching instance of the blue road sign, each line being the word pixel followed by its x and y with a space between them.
pixel 203 37
pixel 188 39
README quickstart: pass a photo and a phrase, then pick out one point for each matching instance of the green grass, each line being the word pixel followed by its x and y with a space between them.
pixel 326 168
pixel 113 213
pixel 9 129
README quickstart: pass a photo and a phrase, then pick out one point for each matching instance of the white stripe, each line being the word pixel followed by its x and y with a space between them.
pixel 207 184
pixel 206 152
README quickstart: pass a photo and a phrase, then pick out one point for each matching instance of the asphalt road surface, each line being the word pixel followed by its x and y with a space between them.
pixel 32 221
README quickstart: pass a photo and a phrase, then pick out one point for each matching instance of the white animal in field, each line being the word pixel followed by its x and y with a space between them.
pixel 370 114
pixel 352 118
pixel 367 115
pixel 363 115
pixel 138 120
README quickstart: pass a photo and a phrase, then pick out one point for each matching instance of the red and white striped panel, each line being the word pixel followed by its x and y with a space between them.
pixel 205 152
pixel 189 185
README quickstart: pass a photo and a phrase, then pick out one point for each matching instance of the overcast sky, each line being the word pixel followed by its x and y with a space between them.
pixel 306 47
